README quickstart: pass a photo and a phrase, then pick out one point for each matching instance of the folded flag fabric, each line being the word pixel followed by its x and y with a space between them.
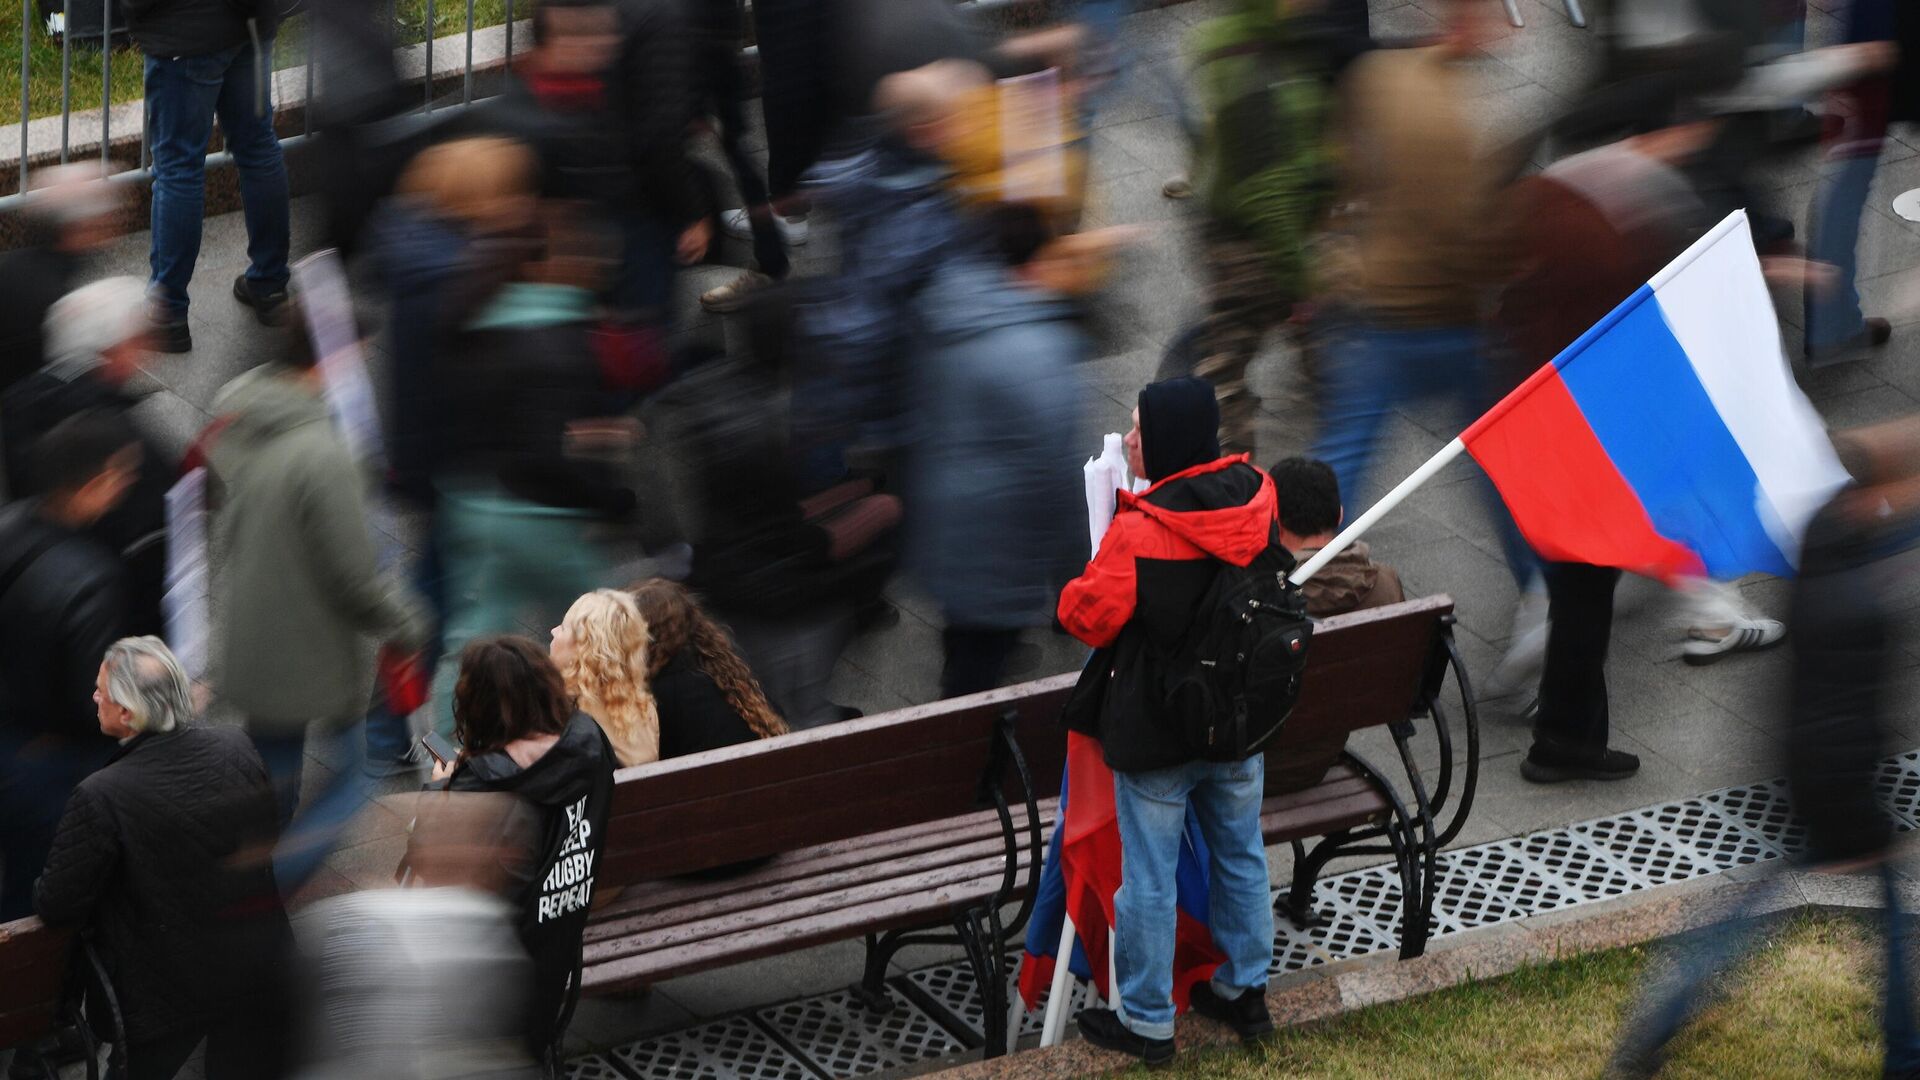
pixel 1670 439
pixel 1082 873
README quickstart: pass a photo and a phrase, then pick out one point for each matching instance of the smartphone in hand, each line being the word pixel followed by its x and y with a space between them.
pixel 441 747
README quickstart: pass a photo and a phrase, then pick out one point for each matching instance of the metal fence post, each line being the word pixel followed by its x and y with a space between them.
pixel 66 75
pixel 426 89
pixel 466 84
pixel 26 77
pixel 106 84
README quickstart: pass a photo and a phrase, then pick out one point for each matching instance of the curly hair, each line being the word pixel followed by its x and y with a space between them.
pixel 607 673
pixel 679 622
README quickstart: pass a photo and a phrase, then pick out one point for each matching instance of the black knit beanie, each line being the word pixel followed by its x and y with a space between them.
pixel 1179 426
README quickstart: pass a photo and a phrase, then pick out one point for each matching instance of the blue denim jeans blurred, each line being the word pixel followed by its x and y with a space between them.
pixel 307 838
pixel 1371 369
pixel 184 94
pixel 1667 1006
pixel 1833 236
pixel 1152 808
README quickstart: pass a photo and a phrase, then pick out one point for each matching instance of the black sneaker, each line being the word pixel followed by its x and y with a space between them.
pixel 1548 764
pixel 172 337
pixel 269 305
pixel 1247 1014
pixel 1102 1028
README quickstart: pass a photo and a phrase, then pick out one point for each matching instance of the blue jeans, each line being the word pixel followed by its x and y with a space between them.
pixel 1668 1006
pixel 1152 808
pixel 184 94
pixel 1833 236
pixel 1371 369
pixel 306 840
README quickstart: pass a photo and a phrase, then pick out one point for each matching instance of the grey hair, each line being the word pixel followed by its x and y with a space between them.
pixel 144 678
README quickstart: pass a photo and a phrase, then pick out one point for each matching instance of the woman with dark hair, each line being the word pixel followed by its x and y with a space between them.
pixel 520 734
pixel 706 695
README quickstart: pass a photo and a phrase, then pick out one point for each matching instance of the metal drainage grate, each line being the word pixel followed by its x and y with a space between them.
pixel 1643 852
pixel 1489 884
pixel 1350 929
pixel 1763 808
pixel 951 986
pixel 1723 842
pixel 1583 872
pixel 719 1050
pixel 593 1067
pixel 1898 785
pixel 842 1038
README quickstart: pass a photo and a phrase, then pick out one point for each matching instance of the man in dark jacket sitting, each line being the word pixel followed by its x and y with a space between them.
pixel 1139 596
pixel 163 855
pixel 61 605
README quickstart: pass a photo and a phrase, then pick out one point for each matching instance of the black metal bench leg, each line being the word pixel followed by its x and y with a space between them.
pixel 1414 914
pixel 1298 905
pixel 980 937
pixel 871 991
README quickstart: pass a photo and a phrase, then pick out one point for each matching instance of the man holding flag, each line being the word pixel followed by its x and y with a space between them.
pixel 1134 604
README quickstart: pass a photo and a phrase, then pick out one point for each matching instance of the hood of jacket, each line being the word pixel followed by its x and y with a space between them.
pixel 1225 508
pixel 264 404
pixel 974 295
pixel 1344 583
pixel 561 775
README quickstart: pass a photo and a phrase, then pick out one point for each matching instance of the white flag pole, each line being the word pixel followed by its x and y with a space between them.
pixel 1377 511
pixel 1054 1027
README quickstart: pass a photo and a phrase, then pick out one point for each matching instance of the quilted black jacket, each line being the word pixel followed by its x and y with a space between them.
pixel 162 855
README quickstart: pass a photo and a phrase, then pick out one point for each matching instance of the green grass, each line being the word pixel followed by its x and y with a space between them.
pixel 43 90
pixel 1806 1005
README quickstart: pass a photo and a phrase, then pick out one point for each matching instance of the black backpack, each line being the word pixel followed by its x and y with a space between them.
pixel 1233 680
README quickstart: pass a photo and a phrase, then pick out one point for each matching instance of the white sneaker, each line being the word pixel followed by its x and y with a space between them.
pixel 793 231
pixel 733 295
pixel 1745 635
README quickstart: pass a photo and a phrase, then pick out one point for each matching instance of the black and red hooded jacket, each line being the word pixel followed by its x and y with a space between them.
pixel 1136 599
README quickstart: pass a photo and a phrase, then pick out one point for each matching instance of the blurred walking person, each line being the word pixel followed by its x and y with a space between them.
pixel 98 342
pixel 1846 643
pixel 65 220
pixel 304 600
pixel 62 603
pixel 1265 181
pixel 1427 249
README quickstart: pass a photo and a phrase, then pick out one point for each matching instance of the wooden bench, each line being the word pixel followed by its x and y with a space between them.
pixel 43 979
pixel 892 827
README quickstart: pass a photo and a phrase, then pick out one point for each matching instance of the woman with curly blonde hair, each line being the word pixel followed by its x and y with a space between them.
pixel 600 648
pixel 707 695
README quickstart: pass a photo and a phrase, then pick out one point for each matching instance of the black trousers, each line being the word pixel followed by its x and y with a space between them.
pixel 1573 688
pixel 797 97
pixel 245 1048
pixel 718 80
pixel 976 659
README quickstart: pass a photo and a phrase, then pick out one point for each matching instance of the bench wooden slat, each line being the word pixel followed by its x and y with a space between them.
pixel 826 859
pixel 915 893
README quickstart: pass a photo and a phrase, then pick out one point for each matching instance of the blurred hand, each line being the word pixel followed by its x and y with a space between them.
pixel 694 241
pixel 441 770
pixel 602 437
pixel 1790 271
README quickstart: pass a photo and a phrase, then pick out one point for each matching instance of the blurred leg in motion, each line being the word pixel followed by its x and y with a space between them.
pixel 1243 304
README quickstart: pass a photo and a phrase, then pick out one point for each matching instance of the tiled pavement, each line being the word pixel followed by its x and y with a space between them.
pixel 1696 729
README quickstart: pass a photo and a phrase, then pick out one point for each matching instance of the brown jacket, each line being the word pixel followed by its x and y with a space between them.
pixel 1351 581
pixel 1428 237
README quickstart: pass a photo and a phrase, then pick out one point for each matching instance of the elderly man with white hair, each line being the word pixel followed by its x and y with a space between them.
pixel 97 338
pixel 163 856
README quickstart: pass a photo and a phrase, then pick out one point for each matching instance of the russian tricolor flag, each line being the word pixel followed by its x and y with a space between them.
pixel 1081 875
pixel 1670 439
